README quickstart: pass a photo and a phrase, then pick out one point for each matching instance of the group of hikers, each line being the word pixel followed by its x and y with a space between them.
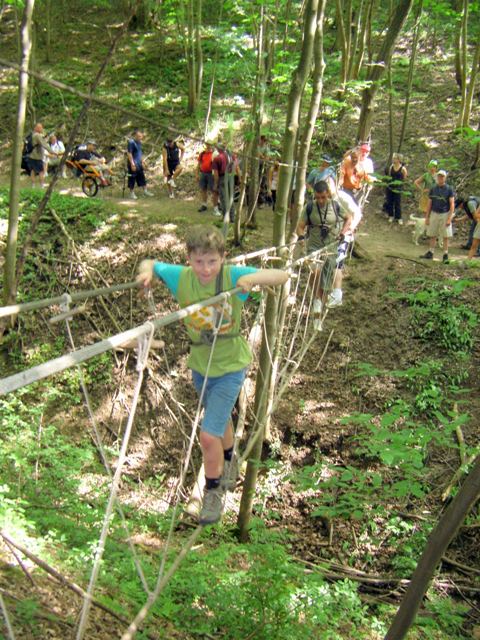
pixel 330 217
pixel 335 193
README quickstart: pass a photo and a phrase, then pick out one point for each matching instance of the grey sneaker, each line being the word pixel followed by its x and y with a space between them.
pixel 212 507
pixel 230 474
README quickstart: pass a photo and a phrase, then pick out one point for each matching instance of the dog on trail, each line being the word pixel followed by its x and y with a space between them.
pixel 419 227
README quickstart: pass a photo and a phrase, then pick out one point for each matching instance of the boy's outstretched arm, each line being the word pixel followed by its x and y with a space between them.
pixel 268 277
pixel 145 273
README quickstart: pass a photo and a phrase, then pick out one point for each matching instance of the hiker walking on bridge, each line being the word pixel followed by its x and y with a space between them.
pixel 214 327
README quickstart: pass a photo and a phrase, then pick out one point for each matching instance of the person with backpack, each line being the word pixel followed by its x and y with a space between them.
pixel 205 174
pixel 470 207
pixel 136 165
pixel 396 174
pixel 39 146
pixel 224 166
pixel 172 154
pixel 325 222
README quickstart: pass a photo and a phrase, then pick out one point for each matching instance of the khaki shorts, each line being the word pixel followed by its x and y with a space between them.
pixel 437 228
pixel 476 233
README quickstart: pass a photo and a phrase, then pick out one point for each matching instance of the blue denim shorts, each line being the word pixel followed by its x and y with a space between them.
pixel 220 396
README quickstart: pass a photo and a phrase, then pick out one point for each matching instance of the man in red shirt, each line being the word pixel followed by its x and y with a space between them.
pixel 205 175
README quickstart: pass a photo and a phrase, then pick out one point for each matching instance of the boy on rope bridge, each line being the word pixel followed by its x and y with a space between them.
pixel 207 276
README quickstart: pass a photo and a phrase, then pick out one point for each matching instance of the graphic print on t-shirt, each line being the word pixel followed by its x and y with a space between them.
pixel 204 318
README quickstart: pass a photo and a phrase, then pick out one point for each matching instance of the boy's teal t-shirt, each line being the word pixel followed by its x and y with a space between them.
pixel 230 354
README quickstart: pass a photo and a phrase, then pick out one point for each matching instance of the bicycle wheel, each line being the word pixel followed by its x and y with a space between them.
pixel 89 186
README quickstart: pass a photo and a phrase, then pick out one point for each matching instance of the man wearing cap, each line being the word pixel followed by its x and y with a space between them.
pixel 365 160
pixel 439 214
pixel 326 170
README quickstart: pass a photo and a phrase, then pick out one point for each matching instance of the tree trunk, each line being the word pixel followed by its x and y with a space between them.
pixel 457 5
pixel 413 55
pixel 390 114
pixel 463 60
pixel 258 109
pixel 190 55
pixel 435 548
pixel 68 147
pixel 268 341
pixel 344 37
pixel 9 286
pixel 467 110
pixel 259 411
pixel 292 122
pixel 48 30
pixel 306 138
pixel 198 50
pixel 376 71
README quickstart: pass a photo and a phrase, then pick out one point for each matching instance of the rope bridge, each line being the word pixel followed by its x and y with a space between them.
pixel 295 336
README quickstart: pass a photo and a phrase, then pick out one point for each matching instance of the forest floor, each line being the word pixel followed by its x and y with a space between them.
pixel 370 327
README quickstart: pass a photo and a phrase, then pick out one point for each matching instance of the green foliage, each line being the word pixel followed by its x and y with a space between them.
pixel 256 590
pixel 438 316
pixel 81 216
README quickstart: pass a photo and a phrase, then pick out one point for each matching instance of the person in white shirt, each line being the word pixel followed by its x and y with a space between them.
pixel 52 159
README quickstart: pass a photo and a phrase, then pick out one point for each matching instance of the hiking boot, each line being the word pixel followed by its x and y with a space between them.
pixel 212 507
pixel 202 208
pixel 334 300
pixel 132 195
pixel 467 246
pixel 427 256
pixel 230 474
pixel 445 259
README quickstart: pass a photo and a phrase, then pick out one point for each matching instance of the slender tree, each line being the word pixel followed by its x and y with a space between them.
pixel 377 69
pixel 299 80
pixel 9 286
pixel 258 112
pixel 310 120
pixel 437 544
pixel 411 67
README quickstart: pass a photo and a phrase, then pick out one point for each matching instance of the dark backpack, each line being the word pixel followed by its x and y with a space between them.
pixel 76 151
pixel 475 199
pixel 27 145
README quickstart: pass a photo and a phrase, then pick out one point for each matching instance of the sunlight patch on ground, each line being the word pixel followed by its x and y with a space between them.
pixel 430 143
pixel 166 241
